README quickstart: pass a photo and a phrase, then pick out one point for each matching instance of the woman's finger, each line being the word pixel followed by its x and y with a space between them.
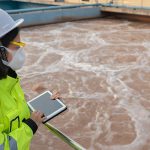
pixel 55 92
pixel 55 97
pixel 39 113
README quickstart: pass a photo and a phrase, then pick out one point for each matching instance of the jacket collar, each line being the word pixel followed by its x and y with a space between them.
pixel 9 81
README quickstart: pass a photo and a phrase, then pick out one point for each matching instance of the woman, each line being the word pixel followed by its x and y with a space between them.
pixel 17 125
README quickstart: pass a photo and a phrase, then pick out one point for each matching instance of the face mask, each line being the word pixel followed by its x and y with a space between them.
pixel 18 59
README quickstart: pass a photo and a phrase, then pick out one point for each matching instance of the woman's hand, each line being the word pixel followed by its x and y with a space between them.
pixel 55 95
pixel 37 117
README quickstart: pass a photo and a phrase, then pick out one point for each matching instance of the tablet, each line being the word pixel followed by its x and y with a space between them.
pixel 45 104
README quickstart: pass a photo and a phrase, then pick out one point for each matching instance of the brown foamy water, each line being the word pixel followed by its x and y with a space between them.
pixel 102 69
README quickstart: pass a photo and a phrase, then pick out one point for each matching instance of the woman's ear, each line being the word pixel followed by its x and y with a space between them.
pixel 3 53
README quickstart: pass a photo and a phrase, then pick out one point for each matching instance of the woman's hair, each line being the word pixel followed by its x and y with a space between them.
pixel 5 41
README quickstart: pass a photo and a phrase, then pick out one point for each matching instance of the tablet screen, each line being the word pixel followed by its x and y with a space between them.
pixel 46 105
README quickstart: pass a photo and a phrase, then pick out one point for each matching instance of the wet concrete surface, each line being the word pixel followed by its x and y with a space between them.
pixel 102 69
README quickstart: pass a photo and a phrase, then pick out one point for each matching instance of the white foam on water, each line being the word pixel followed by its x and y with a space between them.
pixel 113 69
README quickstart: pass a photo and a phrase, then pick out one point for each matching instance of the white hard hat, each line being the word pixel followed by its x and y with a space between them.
pixel 7 23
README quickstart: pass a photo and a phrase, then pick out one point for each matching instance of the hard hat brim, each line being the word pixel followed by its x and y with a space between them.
pixel 17 24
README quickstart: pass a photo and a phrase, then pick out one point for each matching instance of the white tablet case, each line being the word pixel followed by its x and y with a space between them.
pixel 49 107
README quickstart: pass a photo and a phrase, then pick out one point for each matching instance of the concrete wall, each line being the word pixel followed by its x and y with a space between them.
pixel 121 2
pixel 54 15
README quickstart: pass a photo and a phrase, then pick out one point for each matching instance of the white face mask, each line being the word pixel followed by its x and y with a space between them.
pixel 18 59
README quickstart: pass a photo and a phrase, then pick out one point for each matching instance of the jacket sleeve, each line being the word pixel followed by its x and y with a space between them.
pixel 18 139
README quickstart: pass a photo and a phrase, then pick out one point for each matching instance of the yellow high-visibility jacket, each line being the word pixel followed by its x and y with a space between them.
pixel 16 127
